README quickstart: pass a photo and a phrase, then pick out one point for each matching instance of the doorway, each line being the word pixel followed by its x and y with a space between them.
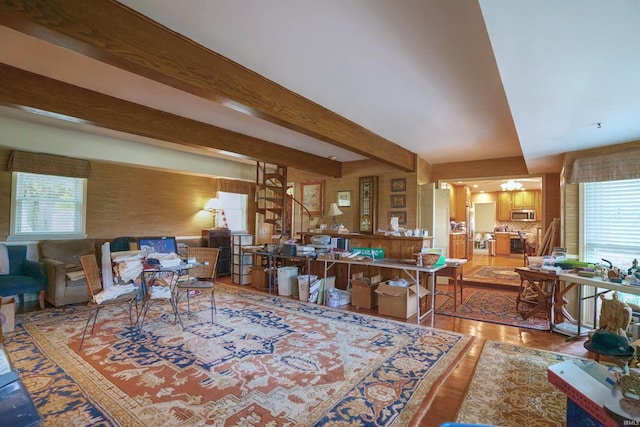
pixel 485 222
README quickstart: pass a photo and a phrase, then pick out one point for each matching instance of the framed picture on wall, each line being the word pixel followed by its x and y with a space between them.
pixel 312 197
pixel 398 201
pixel 343 198
pixel 399 184
pixel 401 215
pixel 368 199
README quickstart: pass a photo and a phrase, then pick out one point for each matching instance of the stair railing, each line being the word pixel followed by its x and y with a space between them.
pixel 303 207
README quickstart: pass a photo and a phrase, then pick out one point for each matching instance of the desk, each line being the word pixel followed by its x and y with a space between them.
pixel 271 256
pixel 408 269
pixel 573 280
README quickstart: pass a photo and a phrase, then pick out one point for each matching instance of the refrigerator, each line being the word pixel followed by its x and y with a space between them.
pixel 433 215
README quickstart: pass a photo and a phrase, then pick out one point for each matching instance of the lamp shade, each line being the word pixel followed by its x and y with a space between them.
pixel 334 210
pixel 213 205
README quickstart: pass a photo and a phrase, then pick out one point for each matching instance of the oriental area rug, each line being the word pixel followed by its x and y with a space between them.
pixel 265 360
pixel 504 276
pixel 494 306
pixel 510 388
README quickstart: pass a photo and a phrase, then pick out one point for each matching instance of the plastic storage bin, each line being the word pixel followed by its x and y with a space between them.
pixel 304 282
pixel 286 275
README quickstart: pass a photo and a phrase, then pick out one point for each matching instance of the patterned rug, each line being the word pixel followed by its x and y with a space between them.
pixel 503 275
pixel 510 388
pixel 494 306
pixel 265 361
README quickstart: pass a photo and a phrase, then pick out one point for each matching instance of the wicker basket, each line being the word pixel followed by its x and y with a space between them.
pixel 428 259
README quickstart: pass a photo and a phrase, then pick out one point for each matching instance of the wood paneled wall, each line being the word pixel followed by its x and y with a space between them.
pixel 130 201
pixel 351 173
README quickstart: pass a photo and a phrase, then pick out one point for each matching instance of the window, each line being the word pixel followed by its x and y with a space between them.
pixel 611 212
pixel 47 206
pixel 611 224
pixel 234 211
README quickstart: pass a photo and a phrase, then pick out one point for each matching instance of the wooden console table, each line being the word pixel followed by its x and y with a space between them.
pixel 455 271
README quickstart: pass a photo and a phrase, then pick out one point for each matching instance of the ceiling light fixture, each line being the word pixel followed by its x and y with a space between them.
pixel 511 185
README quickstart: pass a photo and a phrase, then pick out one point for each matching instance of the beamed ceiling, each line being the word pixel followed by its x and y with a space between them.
pixel 314 84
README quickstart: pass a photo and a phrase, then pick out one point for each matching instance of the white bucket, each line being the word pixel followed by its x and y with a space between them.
pixel 285 276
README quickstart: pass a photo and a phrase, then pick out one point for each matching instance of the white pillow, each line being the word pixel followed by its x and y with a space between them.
pixel 4 259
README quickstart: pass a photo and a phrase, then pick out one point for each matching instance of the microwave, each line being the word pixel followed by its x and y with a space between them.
pixel 523 215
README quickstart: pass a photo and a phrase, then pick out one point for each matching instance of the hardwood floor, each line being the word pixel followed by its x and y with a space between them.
pixel 452 391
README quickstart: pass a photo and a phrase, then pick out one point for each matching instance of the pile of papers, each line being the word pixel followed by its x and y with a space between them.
pixel 166 260
pixel 113 292
pixel 128 265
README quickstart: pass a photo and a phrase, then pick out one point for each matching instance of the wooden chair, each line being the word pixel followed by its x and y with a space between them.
pixel 200 278
pixel 94 285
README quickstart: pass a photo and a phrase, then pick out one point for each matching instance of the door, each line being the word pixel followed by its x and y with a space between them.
pixel 434 215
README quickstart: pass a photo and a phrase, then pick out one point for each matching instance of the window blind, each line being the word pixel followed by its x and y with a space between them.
pixel 612 221
pixel 48 205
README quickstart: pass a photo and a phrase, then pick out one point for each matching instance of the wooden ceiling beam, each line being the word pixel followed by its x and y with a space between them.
pixel 19 89
pixel 114 34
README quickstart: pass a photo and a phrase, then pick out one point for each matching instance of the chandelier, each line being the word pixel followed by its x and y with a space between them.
pixel 511 185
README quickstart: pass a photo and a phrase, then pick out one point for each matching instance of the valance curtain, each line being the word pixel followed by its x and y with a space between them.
pixel 617 166
pixel 48 164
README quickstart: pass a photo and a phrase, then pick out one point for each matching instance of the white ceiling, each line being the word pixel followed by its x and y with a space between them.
pixel 451 80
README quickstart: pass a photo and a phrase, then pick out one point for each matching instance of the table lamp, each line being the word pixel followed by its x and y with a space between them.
pixel 214 205
pixel 334 211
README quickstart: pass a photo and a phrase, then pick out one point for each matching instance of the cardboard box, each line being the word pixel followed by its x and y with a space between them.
pixel 363 290
pixel 7 314
pixel 396 301
pixel 260 278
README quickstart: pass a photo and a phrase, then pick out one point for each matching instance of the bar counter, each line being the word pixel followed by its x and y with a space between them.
pixel 398 247
pixel 395 247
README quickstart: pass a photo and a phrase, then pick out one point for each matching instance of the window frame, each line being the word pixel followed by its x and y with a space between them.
pixel 588 307
pixel 35 236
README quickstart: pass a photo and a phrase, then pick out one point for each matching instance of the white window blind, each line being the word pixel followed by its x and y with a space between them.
pixel 612 221
pixel 47 206
pixel 234 206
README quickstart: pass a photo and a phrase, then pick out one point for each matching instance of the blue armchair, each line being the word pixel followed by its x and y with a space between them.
pixel 25 276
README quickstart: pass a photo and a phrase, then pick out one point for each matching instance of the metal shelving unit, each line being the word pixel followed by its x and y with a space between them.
pixel 241 263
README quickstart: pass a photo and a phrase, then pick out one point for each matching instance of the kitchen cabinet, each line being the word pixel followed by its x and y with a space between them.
pixel 503 244
pixel 518 200
pixel 523 200
pixel 462 200
pixel 452 203
pixel 504 206
pixel 457 245
pixel 538 205
pixel 220 239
